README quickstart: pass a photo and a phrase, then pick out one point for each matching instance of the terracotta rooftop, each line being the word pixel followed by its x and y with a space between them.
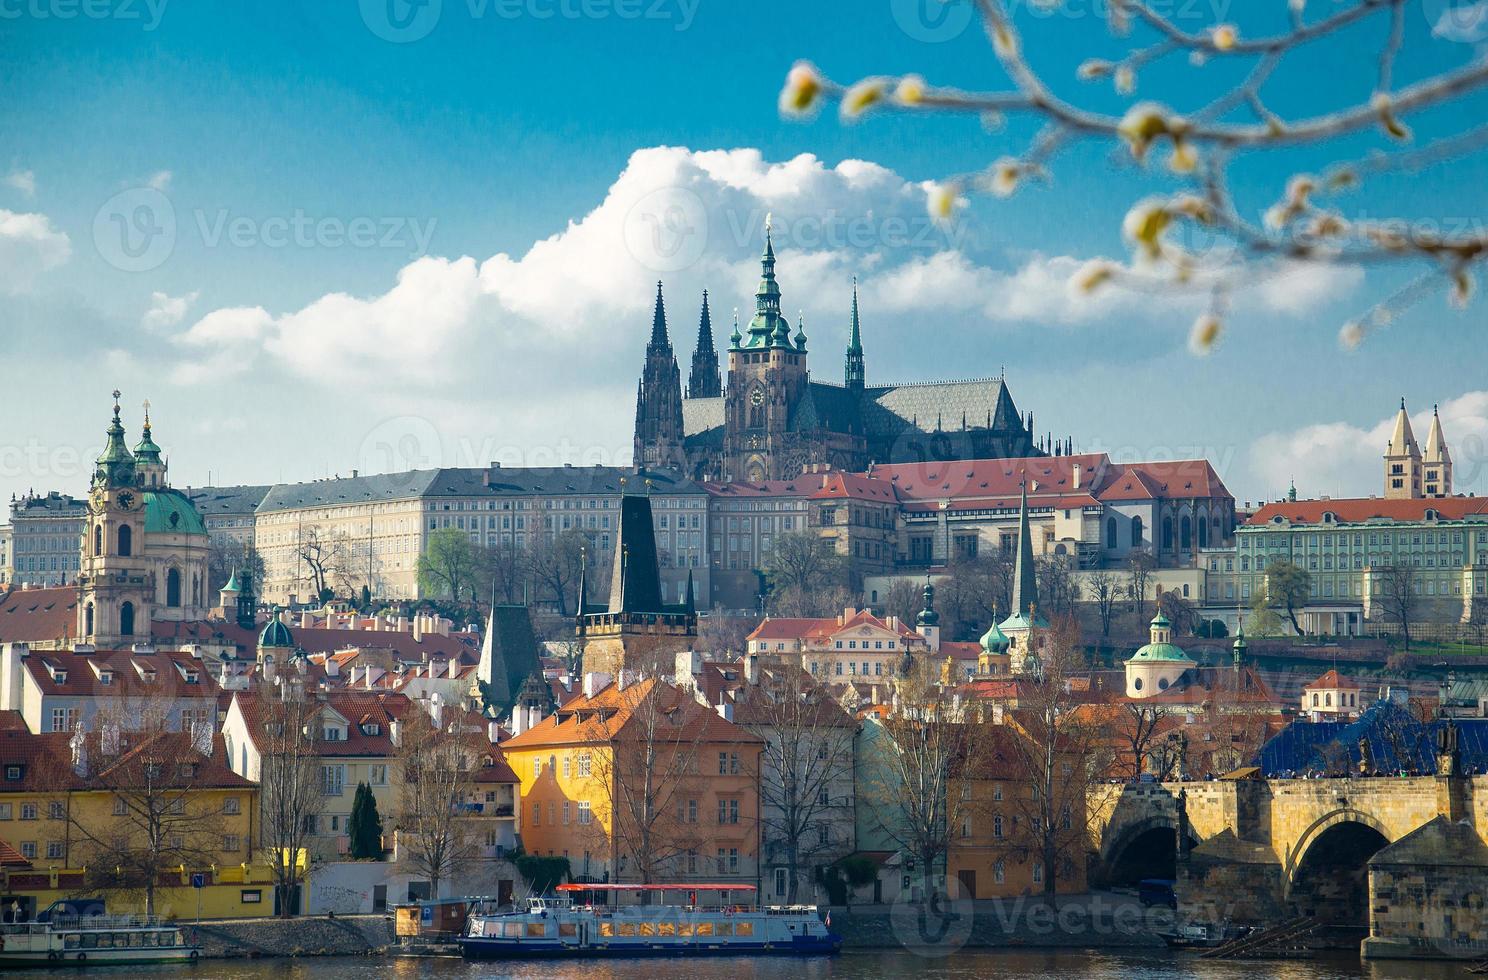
pixel 1358 510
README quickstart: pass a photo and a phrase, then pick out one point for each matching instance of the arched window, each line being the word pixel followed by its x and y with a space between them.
pixel 126 540
pixel 1110 532
pixel 1136 532
pixel 1185 533
pixel 173 587
pixel 1203 533
pixel 997 826
pixel 88 619
pixel 97 540
pixel 1167 533
pixel 126 619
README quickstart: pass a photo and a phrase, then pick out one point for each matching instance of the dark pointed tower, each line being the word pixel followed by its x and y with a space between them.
pixel 856 375
pixel 705 381
pixel 658 424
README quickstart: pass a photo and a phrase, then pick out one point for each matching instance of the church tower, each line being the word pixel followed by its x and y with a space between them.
pixel 856 374
pixel 767 378
pixel 704 380
pixel 1402 461
pixel 658 425
pixel 115 584
pixel 1436 480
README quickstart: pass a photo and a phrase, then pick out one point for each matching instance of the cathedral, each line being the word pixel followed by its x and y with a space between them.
pixel 772 420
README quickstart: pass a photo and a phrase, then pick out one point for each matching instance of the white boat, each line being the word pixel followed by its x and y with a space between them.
pixel 95 940
pixel 562 927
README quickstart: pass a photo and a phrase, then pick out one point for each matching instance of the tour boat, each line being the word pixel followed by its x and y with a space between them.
pixel 557 926
pixel 95 940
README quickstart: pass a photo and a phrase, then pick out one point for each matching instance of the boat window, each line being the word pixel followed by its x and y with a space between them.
pixel 627 928
pixel 666 929
pixel 743 928
pixel 607 929
pixel 684 929
pixel 511 930
pixel 705 928
pixel 179 939
pixel 537 929
pixel 568 928
pixel 71 942
pixel 648 928
pixel 90 940
pixel 724 928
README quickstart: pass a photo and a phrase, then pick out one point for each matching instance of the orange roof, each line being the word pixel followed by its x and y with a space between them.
pixel 605 715
pixel 37 615
pixel 359 708
pixel 820 629
pixel 992 477
pixel 1333 681
pixel 1354 510
pixel 961 650
pixel 1179 478
pixel 856 486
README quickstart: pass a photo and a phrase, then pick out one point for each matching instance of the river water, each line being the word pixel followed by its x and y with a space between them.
pixel 1002 965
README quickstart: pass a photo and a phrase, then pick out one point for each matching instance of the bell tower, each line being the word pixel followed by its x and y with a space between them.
pixel 115 584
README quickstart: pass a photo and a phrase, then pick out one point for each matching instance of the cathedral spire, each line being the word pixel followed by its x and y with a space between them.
pixel 767 324
pixel 856 375
pixel 704 380
pixel 658 321
pixel 1025 583
pixel 116 462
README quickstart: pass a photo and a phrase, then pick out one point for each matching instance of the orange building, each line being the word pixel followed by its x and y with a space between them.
pixel 640 782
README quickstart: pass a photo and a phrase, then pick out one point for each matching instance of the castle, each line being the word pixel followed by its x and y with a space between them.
pixel 772 420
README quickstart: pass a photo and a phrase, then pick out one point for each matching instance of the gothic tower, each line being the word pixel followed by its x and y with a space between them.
pixel 658 425
pixel 856 375
pixel 767 378
pixel 1402 461
pixel 116 585
pixel 704 380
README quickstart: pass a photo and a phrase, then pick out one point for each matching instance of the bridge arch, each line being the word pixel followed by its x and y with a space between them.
pixel 1327 869
pixel 1145 848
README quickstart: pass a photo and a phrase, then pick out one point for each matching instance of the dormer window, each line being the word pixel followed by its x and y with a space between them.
pixel 106 677
pixel 192 677
pixel 59 675
pixel 332 733
pixel 372 728
pixel 14 773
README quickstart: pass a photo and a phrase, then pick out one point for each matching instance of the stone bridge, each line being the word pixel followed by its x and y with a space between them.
pixel 1260 850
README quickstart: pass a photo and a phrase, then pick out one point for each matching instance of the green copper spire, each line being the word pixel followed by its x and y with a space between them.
pixel 147 453
pixel 928 616
pixel 856 375
pixel 116 462
pixel 768 327
pixel 735 337
pixel 801 332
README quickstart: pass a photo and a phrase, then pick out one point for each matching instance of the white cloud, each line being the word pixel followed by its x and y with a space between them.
pixel 23 181
pixel 160 180
pixel 166 310
pixel 29 246
pixel 1343 459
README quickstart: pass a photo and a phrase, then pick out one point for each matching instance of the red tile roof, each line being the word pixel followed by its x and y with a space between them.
pixel 47 761
pixel 853 486
pixel 1334 681
pixel 1355 510
pixel 579 721
pixel 820 629
pixel 358 708
pixel 38 615
pixel 59 672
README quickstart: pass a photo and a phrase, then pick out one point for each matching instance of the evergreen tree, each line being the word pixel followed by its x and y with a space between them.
pixel 365 826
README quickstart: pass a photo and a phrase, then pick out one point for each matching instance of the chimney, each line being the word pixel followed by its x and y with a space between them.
pixel 1078 472
pixel 594 682
pixel 726 711
pixel 395 732
pixel 436 710
pixel 751 669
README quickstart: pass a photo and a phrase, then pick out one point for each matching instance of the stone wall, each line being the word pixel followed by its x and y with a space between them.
pixel 355 935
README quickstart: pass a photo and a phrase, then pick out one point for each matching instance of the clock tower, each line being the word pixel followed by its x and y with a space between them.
pixel 115 586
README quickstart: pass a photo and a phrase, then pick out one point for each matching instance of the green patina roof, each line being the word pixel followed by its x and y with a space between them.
pixel 1161 651
pixel 995 640
pixel 170 512
pixel 276 635
pixel 1160 619
pixel 1020 621
pixel 232 584
pixel 147 451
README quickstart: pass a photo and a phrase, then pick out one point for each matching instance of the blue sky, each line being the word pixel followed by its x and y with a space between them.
pixel 491 160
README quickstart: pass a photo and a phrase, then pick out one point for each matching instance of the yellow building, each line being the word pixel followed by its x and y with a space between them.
pixel 640 783
pixel 76 814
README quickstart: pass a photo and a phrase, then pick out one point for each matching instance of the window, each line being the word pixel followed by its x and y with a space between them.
pixel 728 811
pixel 333 780
pixel 566 764
pixel 5 811
pixel 585 815
pixel 121 807
pixel 1038 872
pixel 28 812
pixel 231 844
pixel 55 850
pixel 565 813
pixel 997 826
pixel 728 763
pixel 728 860
pixel 56 811
pixel 536 768
pixel 584 765
pixel 251 896
pixel 377 775
pixel 28 850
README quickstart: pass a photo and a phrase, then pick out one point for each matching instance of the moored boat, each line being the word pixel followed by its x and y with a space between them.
pixel 572 923
pixel 95 940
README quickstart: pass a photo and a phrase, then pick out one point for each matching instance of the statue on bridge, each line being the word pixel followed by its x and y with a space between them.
pixel 1448 752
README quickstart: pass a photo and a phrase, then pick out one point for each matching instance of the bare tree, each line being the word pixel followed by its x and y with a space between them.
pixel 505 568
pixel 1477 617
pixel 651 777
pixel 227 557
pixel 326 556
pixel 1140 729
pixel 1139 567
pixel 1179 611
pixel 1105 592
pixel 438 764
pixel 1225 117
pixel 291 793
pixel 1057 588
pixel 555 562
pixel 1395 591
pixel 903 598
pixel 803 566
pixel 806 769
pixel 725 636
pixel 1288 587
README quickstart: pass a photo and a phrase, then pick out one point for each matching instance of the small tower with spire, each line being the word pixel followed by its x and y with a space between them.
pixel 704 380
pixel 1403 464
pixel 116 582
pixel 927 623
pixel 1436 477
pixel 147 461
pixel 658 423
pixel 855 375
pixel 1022 629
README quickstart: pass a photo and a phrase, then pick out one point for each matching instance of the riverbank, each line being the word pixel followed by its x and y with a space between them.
pixel 350 935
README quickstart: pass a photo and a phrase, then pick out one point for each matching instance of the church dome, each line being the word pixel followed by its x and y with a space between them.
pixel 995 640
pixel 1160 651
pixel 170 512
pixel 276 635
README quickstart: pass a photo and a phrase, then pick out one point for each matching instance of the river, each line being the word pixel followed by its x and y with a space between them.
pixel 1003 965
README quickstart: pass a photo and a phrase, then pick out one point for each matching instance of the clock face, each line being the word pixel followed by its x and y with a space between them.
pixel 125 499
pixel 757 397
